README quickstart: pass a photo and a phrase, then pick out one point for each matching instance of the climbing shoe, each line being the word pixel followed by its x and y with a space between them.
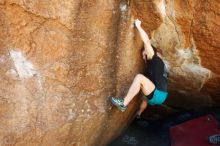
pixel 119 102
pixel 214 139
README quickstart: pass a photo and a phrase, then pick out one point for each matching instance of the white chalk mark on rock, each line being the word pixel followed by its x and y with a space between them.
pixel 24 68
pixel 12 73
pixel 196 70
pixel 2 59
pixel 185 53
pixel 123 7
pixel 190 67
pixel 71 114
pixel 162 8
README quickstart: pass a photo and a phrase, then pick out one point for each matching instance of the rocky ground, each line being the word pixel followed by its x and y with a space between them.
pixel 145 132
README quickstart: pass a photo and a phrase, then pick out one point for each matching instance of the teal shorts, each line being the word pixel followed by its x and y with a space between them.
pixel 158 97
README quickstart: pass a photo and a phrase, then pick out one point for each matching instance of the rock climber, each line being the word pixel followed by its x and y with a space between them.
pixel 153 82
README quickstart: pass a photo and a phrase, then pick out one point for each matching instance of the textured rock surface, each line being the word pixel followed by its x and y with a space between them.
pixel 194 60
pixel 188 38
pixel 60 60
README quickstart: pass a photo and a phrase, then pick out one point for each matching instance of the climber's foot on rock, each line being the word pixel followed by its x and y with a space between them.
pixel 119 102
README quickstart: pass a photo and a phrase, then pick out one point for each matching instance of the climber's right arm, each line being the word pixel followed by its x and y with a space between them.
pixel 147 45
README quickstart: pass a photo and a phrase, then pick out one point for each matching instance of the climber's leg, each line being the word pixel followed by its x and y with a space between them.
pixel 139 82
pixel 143 106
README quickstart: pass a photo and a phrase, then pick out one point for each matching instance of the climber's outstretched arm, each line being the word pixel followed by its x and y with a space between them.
pixel 147 45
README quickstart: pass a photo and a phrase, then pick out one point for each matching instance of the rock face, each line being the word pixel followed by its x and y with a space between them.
pixel 60 60
pixel 192 50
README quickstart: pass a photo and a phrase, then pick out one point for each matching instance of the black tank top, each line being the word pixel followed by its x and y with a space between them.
pixel 156 71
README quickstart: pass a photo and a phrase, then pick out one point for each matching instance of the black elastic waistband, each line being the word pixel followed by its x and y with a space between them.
pixel 150 96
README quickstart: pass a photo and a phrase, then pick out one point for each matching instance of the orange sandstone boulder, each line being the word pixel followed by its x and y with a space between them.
pixel 60 60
